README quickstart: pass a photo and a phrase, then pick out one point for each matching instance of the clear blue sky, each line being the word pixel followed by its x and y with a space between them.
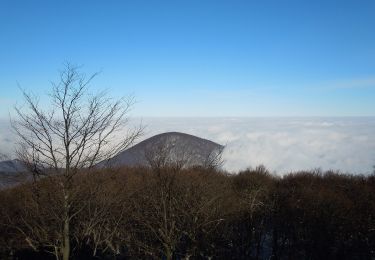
pixel 199 57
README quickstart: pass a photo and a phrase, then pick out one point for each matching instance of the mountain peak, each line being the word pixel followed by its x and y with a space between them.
pixel 169 148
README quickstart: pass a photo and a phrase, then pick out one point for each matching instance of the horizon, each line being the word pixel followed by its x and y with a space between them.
pixel 283 145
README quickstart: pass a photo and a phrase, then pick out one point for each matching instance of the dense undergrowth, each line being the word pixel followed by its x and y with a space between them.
pixel 140 213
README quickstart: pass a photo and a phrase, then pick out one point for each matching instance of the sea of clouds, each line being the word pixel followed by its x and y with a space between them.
pixel 281 144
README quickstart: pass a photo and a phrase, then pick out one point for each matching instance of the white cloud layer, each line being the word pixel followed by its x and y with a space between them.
pixel 7 139
pixel 281 144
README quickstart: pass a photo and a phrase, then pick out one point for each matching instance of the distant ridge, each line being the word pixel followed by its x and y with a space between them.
pixel 11 166
pixel 12 172
pixel 171 147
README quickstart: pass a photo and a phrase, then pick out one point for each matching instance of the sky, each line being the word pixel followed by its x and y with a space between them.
pixel 198 58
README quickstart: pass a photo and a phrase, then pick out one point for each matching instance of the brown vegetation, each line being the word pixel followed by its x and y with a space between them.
pixel 196 213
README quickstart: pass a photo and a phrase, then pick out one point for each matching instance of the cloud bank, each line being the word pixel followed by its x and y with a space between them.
pixel 7 140
pixel 281 144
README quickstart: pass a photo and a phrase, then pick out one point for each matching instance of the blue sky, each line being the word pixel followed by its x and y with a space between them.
pixel 198 57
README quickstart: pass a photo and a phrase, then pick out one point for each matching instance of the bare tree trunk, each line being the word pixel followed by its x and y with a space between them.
pixel 66 245
pixel 168 253
pixel 66 231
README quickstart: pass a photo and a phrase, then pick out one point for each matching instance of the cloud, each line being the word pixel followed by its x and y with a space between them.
pixel 281 144
pixel 284 144
pixel 6 138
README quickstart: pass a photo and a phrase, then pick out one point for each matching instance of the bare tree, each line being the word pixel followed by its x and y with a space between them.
pixel 75 132
pixel 214 160
pixel 165 154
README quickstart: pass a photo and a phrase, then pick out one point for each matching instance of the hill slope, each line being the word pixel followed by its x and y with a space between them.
pixel 11 166
pixel 168 148
pixel 12 172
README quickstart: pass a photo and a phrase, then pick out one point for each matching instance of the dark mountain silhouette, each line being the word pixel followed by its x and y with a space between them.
pixel 166 149
pixel 12 172
pixel 174 148
pixel 12 166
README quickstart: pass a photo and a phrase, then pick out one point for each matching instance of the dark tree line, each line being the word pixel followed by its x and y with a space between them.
pixel 196 213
